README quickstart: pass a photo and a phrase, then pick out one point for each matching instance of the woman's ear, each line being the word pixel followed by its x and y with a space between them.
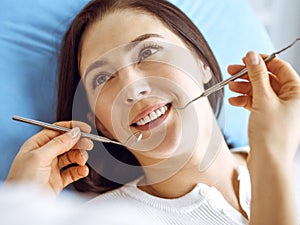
pixel 99 126
pixel 206 71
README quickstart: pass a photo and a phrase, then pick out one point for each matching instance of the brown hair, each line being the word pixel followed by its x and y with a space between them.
pixel 69 76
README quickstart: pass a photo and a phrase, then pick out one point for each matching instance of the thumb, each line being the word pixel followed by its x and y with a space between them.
pixel 258 75
pixel 61 144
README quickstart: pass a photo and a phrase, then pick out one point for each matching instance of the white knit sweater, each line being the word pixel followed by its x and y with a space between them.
pixel 203 205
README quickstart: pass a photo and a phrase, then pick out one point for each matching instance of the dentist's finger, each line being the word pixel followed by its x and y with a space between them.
pixel 44 136
pixel 60 144
pixel 283 71
pixel 79 157
pixel 241 87
pixel 233 69
pixel 258 75
pixel 73 174
pixel 241 101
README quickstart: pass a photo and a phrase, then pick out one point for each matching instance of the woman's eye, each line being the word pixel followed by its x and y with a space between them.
pixel 101 79
pixel 147 52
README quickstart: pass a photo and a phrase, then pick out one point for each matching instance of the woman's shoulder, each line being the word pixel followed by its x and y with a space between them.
pixel 243 149
pixel 115 207
pixel 123 193
pixel 241 154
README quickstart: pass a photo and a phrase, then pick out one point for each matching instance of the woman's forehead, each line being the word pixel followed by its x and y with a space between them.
pixel 118 29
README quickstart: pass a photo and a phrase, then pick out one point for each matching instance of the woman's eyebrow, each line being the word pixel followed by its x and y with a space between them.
pixel 93 66
pixel 143 37
pixel 128 47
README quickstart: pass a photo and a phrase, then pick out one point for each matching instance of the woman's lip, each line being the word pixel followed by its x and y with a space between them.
pixel 155 122
pixel 147 111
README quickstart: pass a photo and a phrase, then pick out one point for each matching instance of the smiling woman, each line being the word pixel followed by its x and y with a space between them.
pixel 129 65
pixel 126 72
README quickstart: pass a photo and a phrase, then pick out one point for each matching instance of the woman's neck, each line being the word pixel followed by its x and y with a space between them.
pixel 221 174
pixel 218 173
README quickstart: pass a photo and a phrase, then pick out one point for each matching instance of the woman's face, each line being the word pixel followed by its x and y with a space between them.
pixel 136 73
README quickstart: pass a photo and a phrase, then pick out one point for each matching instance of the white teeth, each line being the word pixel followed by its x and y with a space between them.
pixel 147 119
pixel 140 122
pixel 158 113
pixel 152 116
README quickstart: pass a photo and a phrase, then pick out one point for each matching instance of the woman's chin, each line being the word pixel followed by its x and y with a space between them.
pixel 169 147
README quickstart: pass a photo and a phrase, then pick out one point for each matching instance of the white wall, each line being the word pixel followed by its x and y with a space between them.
pixel 282 20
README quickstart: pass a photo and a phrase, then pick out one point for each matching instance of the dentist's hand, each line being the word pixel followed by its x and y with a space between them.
pixel 274 135
pixel 274 103
pixel 45 158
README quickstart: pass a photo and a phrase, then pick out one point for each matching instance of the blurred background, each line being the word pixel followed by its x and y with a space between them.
pixel 282 21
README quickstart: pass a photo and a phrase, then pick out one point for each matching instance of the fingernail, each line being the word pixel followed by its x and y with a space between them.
pixel 74 132
pixel 83 171
pixel 84 154
pixel 252 58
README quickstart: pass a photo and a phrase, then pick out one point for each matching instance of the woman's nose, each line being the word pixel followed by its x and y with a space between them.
pixel 137 91
pixel 137 86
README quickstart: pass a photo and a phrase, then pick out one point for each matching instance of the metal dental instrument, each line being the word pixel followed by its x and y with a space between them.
pixel 131 140
pixel 220 85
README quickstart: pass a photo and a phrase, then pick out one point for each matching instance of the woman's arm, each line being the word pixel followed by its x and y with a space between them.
pixel 43 157
pixel 274 135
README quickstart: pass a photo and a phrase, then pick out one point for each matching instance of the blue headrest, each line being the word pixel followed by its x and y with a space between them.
pixel 31 31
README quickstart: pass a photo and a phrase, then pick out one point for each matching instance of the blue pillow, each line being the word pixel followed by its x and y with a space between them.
pixel 31 31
